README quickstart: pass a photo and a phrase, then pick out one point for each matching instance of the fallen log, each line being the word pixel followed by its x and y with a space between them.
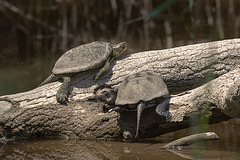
pixel 37 113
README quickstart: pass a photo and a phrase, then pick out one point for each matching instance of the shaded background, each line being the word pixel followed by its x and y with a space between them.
pixel 33 34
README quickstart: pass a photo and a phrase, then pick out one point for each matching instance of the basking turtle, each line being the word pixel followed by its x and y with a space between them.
pixel 82 58
pixel 137 92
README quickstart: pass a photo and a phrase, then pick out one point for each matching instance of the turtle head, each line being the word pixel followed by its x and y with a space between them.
pixel 106 95
pixel 119 48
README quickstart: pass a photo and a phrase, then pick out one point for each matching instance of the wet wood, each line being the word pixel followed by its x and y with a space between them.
pixel 176 146
pixel 195 138
pixel 186 69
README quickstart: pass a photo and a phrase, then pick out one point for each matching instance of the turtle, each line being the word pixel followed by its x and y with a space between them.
pixel 137 92
pixel 85 57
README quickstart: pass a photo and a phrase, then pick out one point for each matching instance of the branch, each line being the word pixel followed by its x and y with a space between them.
pixel 188 140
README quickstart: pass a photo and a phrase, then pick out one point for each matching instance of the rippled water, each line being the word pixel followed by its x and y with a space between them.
pixel 92 150
pixel 227 147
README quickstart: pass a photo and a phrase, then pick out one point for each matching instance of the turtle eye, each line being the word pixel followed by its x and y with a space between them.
pixel 105 93
pixel 121 47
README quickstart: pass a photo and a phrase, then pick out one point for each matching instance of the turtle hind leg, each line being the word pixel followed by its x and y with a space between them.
pixel 163 109
pixel 50 78
pixel 140 108
pixel 62 93
pixel 105 68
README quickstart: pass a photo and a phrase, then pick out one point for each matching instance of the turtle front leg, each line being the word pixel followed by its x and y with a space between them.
pixel 105 67
pixel 62 93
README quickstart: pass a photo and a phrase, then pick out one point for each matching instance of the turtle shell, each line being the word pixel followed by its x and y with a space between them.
pixel 82 58
pixel 143 86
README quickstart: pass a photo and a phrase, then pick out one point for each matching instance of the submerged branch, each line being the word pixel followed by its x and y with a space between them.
pixel 188 140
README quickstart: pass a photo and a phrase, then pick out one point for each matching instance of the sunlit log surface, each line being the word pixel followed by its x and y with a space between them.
pixel 36 113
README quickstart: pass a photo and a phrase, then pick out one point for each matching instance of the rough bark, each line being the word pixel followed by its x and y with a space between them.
pixel 37 113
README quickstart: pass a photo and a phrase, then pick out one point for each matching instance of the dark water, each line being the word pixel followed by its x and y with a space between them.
pixel 89 150
pixel 227 147
pixel 24 76
pixel 29 49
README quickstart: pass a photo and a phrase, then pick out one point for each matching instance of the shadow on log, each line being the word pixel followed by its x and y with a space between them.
pixel 189 68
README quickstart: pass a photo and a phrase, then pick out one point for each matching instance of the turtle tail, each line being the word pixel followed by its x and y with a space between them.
pixel 51 78
pixel 140 108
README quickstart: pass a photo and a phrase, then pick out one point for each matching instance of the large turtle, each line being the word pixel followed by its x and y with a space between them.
pixel 137 92
pixel 82 58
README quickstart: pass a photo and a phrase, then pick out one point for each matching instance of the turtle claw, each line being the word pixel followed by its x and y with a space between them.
pixel 116 109
pixel 168 116
pixel 61 97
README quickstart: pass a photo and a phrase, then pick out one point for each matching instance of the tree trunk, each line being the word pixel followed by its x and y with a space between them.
pixel 37 113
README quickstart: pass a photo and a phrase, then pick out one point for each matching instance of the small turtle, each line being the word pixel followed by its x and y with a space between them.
pixel 137 92
pixel 83 58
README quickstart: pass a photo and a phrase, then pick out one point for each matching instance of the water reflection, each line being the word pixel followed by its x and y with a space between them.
pixel 24 76
pixel 93 150
pixel 227 147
